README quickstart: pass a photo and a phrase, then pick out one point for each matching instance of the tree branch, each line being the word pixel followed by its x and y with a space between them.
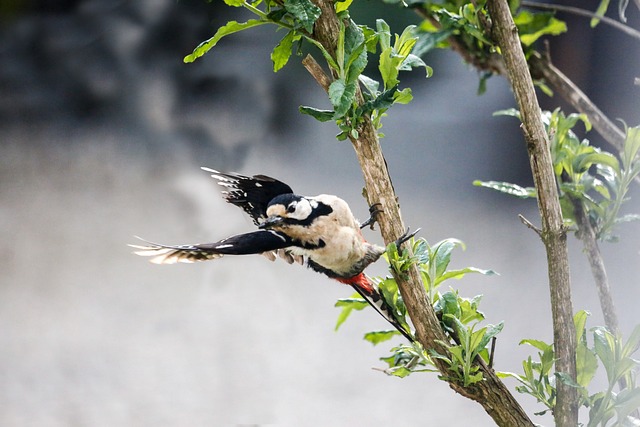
pixel 543 68
pixel 491 393
pixel 587 235
pixel 587 13
pixel 553 230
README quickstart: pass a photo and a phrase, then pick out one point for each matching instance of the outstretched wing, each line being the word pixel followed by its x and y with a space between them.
pixel 252 194
pixel 268 242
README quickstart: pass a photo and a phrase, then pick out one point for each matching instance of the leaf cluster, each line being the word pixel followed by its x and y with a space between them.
pixel 469 24
pixel 471 343
pixel 459 317
pixel 596 179
pixel 295 16
pixel 355 45
pixel 606 407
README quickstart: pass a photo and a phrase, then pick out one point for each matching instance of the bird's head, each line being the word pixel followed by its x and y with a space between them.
pixel 288 210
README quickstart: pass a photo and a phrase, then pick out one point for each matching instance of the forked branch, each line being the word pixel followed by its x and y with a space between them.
pixel 491 393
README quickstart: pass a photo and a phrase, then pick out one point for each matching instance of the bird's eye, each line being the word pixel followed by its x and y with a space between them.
pixel 291 208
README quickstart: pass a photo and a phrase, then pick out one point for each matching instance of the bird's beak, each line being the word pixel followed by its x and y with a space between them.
pixel 272 221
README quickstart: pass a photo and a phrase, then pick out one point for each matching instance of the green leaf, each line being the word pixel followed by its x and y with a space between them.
pixel 404 44
pixel 507 188
pixel 342 96
pixel 627 401
pixel 580 322
pixel 230 28
pixel 412 61
pixel 627 218
pixel 474 378
pixel 533 26
pixel 342 5
pixel 370 84
pixel 376 337
pixel 234 3
pixel 604 345
pixel 469 310
pixel 566 379
pixel 348 305
pixel 428 41
pixel 457 354
pixel 602 9
pixel 631 146
pixel 540 345
pixel 400 372
pixel 459 274
pixel 403 96
pixel 304 12
pixel 353 303
pixel 623 368
pixel 584 161
pixel 633 343
pixel 355 52
pixel 586 364
pixel 282 52
pixel 491 331
pixel 342 317
pixel 276 15
pixel 384 32
pixel 320 115
pixel 382 101
pixel 442 253
pixel 511 112
pixel 388 67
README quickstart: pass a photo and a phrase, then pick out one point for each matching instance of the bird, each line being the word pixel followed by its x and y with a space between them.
pixel 320 230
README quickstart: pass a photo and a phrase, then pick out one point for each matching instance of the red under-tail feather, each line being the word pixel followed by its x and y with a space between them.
pixel 365 288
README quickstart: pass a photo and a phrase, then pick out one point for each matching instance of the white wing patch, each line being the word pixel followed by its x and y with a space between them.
pixel 278 235
pixel 163 254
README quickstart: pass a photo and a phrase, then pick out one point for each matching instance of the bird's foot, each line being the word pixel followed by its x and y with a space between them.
pixel 405 237
pixel 374 210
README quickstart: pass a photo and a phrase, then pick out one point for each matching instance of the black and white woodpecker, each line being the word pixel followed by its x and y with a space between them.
pixel 321 230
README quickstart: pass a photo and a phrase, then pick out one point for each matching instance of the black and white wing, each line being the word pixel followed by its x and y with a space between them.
pixel 267 242
pixel 252 194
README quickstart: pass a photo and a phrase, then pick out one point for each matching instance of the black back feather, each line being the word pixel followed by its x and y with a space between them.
pixel 252 194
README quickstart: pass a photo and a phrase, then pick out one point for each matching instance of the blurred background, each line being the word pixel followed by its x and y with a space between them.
pixel 103 130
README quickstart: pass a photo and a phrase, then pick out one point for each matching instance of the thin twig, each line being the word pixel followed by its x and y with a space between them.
pixel 582 12
pixel 493 352
pixel 316 72
pixel 528 223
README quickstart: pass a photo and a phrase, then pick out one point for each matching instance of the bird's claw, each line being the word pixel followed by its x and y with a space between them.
pixel 405 237
pixel 374 210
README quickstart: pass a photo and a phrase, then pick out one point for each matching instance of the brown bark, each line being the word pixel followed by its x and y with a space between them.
pixel 491 393
pixel 587 235
pixel 553 231
pixel 543 68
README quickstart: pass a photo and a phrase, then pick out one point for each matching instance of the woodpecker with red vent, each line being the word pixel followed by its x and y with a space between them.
pixel 321 230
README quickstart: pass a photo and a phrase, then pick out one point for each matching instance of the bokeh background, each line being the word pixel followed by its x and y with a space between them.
pixel 102 133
